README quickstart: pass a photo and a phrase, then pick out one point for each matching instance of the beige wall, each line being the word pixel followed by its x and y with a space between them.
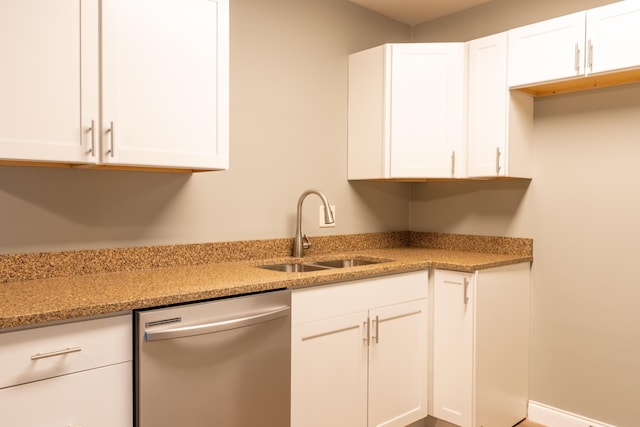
pixel 288 133
pixel 582 209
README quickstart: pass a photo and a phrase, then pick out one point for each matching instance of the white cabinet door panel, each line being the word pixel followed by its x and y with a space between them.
pixel 453 315
pixel 44 79
pixel 547 51
pixel 426 125
pixel 487 106
pixel 613 37
pixel 329 375
pixel 397 364
pixel 165 83
pixel 100 397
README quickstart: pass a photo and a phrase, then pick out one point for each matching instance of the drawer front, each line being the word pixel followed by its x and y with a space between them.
pixel 39 353
pixel 326 301
pixel 97 398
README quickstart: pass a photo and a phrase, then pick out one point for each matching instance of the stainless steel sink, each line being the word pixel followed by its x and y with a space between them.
pixel 345 263
pixel 293 267
pixel 301 267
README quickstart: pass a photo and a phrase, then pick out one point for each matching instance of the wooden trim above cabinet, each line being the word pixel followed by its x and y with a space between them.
pixel 585 83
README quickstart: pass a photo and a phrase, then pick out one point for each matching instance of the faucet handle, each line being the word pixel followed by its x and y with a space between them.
pixel 306 244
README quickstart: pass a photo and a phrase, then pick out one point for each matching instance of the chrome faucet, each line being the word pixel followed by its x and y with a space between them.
pixel 300 242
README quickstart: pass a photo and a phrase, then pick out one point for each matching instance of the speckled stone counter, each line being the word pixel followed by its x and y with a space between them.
pixel 38 288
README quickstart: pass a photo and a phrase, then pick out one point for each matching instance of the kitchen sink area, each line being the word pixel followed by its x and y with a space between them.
pixel 303 267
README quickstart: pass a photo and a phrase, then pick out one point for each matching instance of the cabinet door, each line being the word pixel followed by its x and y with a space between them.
pixel 329 372
pixel 398 364
pixel 427 110
pixel 547 51
pixel 165 83
pixel 98 398
pixel 48 79
pixel 613 37
pixel 487 106
pixel 453 315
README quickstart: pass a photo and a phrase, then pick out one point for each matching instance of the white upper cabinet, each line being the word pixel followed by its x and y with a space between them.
pixel 165 83
pixel 48 79
pixel 597 41
pixel 406 111
pixel 115 83
pixel 499 122
pixel 613 37
pixel 548 50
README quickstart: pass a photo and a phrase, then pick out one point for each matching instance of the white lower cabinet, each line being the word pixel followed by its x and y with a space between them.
pixel 72 374
pixel 97 398
pixel 359 353
pixel 481 346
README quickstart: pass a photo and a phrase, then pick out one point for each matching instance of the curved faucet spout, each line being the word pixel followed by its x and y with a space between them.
pixel 301 243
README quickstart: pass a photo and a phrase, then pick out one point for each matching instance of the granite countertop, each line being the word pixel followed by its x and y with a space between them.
pixel 76 293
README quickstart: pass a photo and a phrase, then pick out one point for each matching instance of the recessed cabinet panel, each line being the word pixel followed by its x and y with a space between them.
pixel 426 123
pixel 613 37
pixel 331 388
pixel 547 51
pixel 164 83
pixel 487 106
pixel 499 121
pixel 397 365
pixel 98 398
pixel 43 79
pixel 453 347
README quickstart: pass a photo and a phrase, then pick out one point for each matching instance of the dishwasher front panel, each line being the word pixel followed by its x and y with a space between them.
pixel 220 363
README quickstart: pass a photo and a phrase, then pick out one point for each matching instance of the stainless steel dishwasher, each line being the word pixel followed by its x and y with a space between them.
pixel 221 363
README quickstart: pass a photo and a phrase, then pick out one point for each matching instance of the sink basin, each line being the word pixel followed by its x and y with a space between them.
pixel 293 267
pixel 345 263
pixel 301 267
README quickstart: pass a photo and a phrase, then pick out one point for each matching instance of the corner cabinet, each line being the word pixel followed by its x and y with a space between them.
pixel 359 353
pixel 481 346
pixel 73 374
pixel 499 121
pixel 115 83
pixel 406 111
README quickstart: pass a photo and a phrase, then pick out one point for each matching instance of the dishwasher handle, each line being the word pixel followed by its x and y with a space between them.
pixel 224 325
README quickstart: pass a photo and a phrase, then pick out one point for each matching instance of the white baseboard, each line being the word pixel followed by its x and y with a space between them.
pixel 553 417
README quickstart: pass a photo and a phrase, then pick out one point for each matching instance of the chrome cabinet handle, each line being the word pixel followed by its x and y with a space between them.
pixel 366 326
pixel 590 55
pixel 110 131
pixel 497 160
pixel 453 163
pixel 466 288
pixel 224 325
pixel 577 64
pixel 376 321
pixel 93 137
pixel 67 350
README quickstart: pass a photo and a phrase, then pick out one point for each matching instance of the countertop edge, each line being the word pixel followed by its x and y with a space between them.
pixel 87 289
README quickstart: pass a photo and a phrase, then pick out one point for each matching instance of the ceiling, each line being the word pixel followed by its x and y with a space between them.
pixel 414 12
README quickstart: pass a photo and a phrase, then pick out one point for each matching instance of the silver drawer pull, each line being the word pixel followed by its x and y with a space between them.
pixel 56 353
